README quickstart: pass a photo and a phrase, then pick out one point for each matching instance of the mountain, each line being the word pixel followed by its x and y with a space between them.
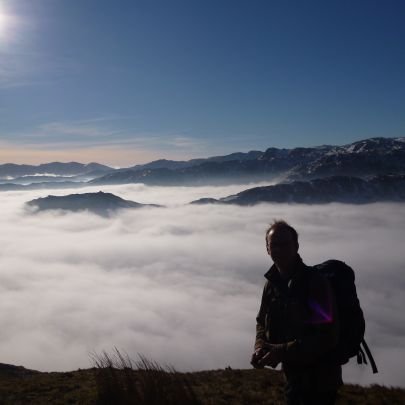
pixel 237 167
pixel 41 185
pixel 366 158
pixel 166 164
pixel 375 156
pixel 363 159
pixel 342 189
pixel 9 171
pixel 205 173
pixel 181 164
pixel 99 203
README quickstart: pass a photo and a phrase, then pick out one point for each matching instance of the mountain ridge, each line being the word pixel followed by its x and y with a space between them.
pixel 368 157
pixel 69 168
pixel 364 159
pixel 343 189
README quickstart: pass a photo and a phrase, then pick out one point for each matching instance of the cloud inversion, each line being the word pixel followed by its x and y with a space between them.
pixel 181 284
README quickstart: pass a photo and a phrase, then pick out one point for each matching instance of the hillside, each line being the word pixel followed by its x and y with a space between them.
pixel 343 189
pixel 216 387
pixel 99 203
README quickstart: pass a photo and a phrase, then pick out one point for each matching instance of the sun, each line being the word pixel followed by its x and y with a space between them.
pixel 5 21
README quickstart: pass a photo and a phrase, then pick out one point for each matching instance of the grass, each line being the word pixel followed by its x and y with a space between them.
pixel 116 379
pixel 119 381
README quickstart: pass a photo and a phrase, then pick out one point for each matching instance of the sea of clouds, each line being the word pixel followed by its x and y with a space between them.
pixel 181 284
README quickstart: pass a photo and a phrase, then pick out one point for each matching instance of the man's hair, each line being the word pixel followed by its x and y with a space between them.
pixel 281 224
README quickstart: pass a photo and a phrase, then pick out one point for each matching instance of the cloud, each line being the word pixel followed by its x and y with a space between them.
pixel 180 284
pixel 74 129
pixel 101 133
pixel 105 139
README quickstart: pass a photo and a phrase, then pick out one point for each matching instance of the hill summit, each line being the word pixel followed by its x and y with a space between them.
pixel 100 203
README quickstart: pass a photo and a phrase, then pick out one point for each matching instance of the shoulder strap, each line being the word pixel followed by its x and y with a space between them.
pixel 369 355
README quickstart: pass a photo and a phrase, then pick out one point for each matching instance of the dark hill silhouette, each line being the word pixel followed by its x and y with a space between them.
pixel 99 203
pixel 333 189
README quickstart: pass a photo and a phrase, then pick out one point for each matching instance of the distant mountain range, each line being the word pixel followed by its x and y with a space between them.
pixel 367 170
pixel 49 175
pixel 99 203
pixel 176 164
pixel 342 189
pixel 42 185
pixel 55 168
pixel 370 157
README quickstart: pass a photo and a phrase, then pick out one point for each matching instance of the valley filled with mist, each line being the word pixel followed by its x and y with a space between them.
pixel 181 283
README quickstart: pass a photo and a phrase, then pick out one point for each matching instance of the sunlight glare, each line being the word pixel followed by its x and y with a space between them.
pixel 5 23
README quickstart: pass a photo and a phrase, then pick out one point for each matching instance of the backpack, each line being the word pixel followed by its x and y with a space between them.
pixel 351 319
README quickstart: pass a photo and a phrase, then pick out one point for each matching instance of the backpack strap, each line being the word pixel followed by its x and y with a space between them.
pixel 361 357
pixel 370 356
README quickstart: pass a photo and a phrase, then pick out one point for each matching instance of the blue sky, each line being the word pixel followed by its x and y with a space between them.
pixel 129 81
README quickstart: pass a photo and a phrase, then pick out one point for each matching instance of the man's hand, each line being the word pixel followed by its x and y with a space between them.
pixel 274 355
pixel 257 356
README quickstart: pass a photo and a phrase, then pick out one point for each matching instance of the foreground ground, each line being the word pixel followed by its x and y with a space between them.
pixel 21 386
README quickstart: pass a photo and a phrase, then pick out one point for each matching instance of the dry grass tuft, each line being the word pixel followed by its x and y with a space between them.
pixel 120 380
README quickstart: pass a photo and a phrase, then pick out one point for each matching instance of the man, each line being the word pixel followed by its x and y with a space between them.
pixel 297 323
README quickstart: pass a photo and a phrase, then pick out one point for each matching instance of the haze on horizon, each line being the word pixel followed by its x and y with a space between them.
pixel 181 284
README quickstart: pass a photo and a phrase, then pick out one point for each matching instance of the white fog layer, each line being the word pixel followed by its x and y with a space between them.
pixel 182 284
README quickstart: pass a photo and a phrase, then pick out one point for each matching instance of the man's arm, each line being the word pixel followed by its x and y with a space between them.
pixel 259 350
pixel 260 322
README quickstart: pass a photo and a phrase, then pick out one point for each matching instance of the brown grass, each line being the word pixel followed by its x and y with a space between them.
pixel 120 380
pixel 214 387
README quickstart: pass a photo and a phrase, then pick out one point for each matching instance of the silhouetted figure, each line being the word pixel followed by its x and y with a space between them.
pixel 297 323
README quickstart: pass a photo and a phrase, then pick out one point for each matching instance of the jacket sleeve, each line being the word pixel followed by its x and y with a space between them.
pixel 320 330
pixel 261 322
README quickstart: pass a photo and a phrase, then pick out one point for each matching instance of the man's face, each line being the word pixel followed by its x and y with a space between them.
pixel 282 247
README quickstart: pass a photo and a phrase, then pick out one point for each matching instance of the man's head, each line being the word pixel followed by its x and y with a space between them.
pixel 282 244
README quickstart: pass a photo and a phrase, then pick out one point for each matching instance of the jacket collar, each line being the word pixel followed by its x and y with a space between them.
pixel 273 275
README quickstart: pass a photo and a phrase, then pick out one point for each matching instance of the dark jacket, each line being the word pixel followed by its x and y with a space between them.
pixel 301 313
